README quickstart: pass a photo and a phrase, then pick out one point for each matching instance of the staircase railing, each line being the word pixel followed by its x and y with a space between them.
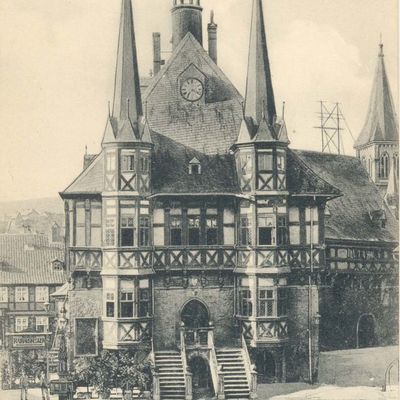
pixel 186 372
pixel 251 372
pixel 214 369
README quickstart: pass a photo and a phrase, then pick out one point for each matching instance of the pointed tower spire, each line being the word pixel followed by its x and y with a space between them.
pixel 127 99
pixel 381 121
pixel 259 91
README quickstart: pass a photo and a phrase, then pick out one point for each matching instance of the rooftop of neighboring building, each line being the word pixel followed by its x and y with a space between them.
pixel 28 259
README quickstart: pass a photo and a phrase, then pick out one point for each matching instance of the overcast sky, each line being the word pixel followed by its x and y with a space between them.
pixel 57 60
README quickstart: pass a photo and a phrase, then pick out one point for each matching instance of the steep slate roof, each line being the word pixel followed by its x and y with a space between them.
pixel 350 213
pixel 381 121
pixel 170 170
pixel 26 259
pixel 90 180
pixel 211 127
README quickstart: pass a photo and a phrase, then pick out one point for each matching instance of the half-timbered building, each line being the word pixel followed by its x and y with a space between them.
pixel 199 230
pixel 31 269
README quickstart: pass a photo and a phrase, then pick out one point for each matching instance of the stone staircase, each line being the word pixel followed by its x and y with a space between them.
pixel 172 377
pixel 236 385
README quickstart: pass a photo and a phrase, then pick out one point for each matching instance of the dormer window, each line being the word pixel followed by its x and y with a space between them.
pixel 194 167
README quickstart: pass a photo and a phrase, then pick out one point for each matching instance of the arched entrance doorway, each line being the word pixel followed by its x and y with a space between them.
pixel 201 377
pixel 266 367
pixel 366 336
pixel 195 315
pixel 195 318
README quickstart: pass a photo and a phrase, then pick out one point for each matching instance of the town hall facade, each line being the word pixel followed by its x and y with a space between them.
pixel 198 230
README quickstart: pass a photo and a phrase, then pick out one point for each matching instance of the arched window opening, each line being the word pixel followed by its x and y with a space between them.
pixel 384 166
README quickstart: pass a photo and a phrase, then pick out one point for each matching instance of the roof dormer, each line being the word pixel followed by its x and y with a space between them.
pixel 194 167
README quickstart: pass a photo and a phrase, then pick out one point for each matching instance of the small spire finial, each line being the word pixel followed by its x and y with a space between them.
pixel 212 16
pixel 85 149
pixel 283 111
pixel 380 45
pixel 109 109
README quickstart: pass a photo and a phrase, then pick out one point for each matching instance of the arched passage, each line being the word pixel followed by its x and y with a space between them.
pixel 366 335
pixel 201 377
pixel 266 367
pixel 195 315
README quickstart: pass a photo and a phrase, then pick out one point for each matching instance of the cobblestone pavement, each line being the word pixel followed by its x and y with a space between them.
pixel 33 394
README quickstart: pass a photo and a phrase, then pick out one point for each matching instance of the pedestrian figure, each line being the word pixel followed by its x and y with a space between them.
pixel 44 386
pixel 24 384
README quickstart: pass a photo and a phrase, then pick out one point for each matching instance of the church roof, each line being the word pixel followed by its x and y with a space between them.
pixel 259 92
pixel 351 213
pixel 210 125
pixel 381 121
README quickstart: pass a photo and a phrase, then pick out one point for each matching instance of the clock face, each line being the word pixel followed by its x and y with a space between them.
pixel 192 89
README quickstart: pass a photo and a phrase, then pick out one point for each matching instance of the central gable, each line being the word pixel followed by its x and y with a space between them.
pixel 209 124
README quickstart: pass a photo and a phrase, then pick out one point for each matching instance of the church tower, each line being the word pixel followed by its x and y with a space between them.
pixel 378 143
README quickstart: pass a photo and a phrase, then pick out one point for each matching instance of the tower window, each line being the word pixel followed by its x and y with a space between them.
pixel 265 229
pixel 127 223
pixel 127 161
pixel 280 161
pixel 144 163
pixel 265 161
pixel 384 166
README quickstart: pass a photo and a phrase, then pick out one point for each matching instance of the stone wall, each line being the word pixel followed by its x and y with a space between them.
pixel 168 304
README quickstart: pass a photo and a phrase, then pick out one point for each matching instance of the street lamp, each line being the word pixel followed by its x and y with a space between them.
pixel 46 306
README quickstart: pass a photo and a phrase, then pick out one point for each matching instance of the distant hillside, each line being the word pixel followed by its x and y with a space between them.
pixel 49 204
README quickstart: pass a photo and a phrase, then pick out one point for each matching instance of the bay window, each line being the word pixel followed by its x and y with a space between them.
pixel 126 304
pixel 280 161
pixel 95 224
pixel 282 230
pixel 245 304
pixel 80 238
pixel 144 163
pixel 282 301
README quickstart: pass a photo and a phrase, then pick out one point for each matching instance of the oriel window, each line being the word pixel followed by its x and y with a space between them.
pixel 127 161
pixel 176 230
pixel 194 229
pixel 282 230
pixel 245 230
pixel 265 229
pixel 127 223
pixel 144 226
pixel 144 298
pixel 126 304
pixel 211 230
pixel 282 301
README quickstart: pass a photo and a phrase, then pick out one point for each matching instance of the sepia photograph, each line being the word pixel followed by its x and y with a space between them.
pixel 199 200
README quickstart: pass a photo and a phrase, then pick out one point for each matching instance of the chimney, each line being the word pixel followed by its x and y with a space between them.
pixel 186 17
pixel 212 38
pixel 157 62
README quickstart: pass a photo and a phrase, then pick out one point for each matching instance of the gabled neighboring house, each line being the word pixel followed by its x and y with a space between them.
pixel 29 275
